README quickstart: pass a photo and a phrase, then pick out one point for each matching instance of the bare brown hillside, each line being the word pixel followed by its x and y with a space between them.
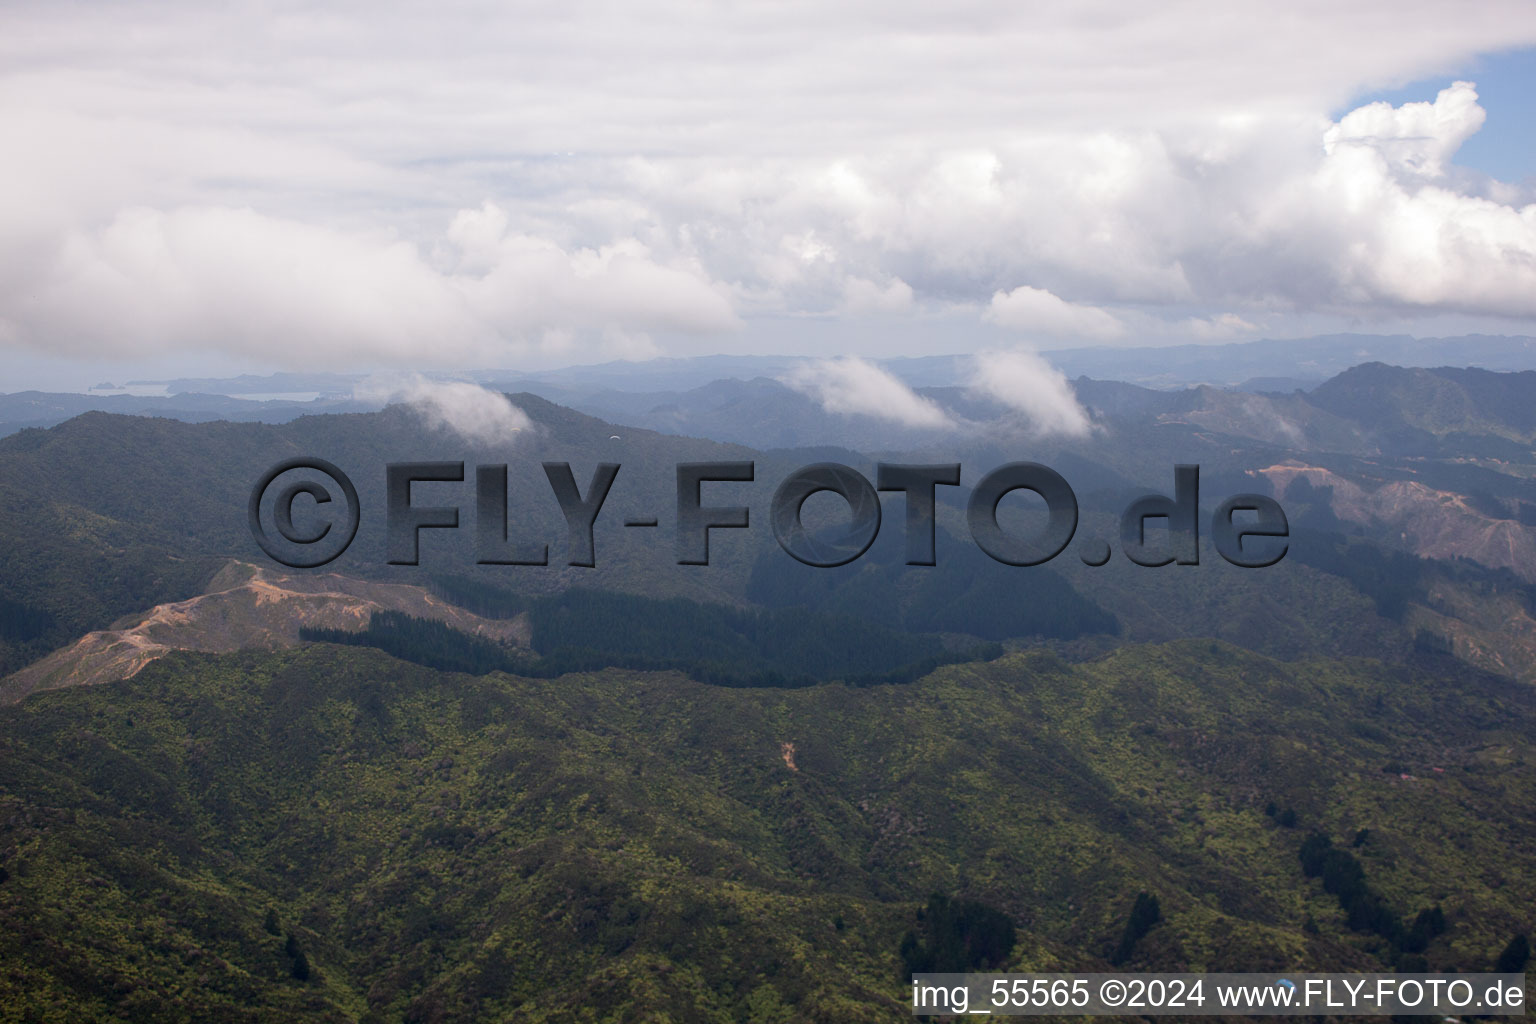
pixel 244 606
pixel 1429 522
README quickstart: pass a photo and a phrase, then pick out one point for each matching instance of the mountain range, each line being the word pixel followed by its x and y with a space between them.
pixel 630 388
pixel 756 790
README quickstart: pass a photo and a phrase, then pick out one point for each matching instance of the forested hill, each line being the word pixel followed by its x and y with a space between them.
pixel 105 516
pixel 330 834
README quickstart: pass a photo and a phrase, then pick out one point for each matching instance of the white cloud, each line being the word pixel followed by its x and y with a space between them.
pixel 1220 327
pixel 233 279
pixel 300 294
pixel 1037 311
pixel 861 296
pixel 1371 225
pixel 477 414
pixel 468 185
pixel 1419 138
pixel 1025 382
pixel 526 284
pixel 856 387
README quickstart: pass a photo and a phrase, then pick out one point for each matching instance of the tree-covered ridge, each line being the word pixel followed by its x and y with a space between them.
pixel 586 630
pixel 605 846
pixel 969 592
pixel 105 516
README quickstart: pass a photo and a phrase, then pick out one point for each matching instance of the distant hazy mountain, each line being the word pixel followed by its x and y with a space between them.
pixel 714 396
pixel 1368 409
pixel 665 374
pixel 1269 365
pixel 327 384
pixel 1291 360
pixel 45 409
pixel 760 412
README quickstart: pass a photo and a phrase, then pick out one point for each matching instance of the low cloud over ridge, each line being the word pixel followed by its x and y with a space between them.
pixel 850 386
pixel 477 414
pixel 1027 384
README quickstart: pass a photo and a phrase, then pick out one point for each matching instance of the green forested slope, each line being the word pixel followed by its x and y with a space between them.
pixel 630 846
pixel 106 515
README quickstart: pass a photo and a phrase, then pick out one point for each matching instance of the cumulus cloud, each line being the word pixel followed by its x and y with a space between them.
pixel 1370 225
pixel 851 386
pixel 477 414
pixel 1037 311
pixel 520 282
pixel 303 294
pixel 151 280
pixel 1419 138
pixel 484 187
pixel 1026 383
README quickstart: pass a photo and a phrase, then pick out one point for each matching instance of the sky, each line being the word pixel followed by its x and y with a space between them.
pixel 193 188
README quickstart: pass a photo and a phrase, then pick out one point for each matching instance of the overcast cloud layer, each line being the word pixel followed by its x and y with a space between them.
pixel 493 185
